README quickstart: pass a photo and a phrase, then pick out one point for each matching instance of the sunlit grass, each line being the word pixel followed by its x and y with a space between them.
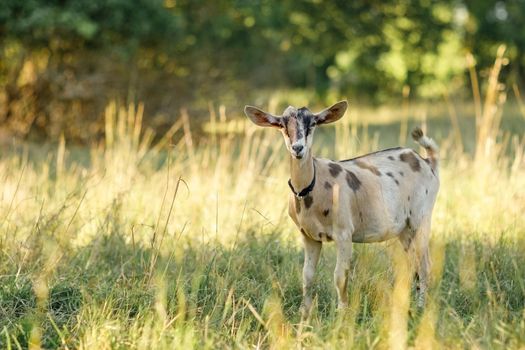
pixel 186 243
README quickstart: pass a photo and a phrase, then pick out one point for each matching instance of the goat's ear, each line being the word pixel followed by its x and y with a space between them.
pixel 331 114
pixel 262 118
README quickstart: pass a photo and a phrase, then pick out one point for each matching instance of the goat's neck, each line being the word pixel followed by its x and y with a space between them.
pixel 302 171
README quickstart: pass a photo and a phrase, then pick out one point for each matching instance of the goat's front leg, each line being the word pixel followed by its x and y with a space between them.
pixel 342 269
pixel 312 251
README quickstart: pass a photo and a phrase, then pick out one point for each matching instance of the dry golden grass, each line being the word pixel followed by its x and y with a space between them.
pixel 186 243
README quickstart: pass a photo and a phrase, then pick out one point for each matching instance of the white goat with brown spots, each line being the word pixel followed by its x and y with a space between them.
pixel 371 198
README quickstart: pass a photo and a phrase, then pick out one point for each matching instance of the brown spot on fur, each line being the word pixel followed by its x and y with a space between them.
pixel 426 190
pixel 417 133
pixel 409 198
pixel 390 157
pixel 361 216
pixel 429 162
pixel 401 173
pixel 335 169
pixel 411 159
pixel 410 212
pixel 352 180
pixel 326 212
pixel 393 178
pixel 407 222
pixel 367 166
pixel 308 200
pixel 328 185
pixel 297 205
pixel 290 128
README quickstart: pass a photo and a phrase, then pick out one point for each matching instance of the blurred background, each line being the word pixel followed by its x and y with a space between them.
pixel 63 61
pixel 140 209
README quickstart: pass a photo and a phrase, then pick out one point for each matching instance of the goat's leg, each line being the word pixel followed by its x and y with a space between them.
pixel 312 250
pixel 422 255
pixel 415 242
pixel 342 269
pixel 423 272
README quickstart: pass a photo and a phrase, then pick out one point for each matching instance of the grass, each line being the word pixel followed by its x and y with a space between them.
pixel 186 243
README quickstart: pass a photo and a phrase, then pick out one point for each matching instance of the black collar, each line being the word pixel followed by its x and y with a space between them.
pixel 305 191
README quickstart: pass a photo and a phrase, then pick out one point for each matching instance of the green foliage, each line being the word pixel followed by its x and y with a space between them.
pixel 253 270
pixel 491 23
pixel 73 24
pixel 348 46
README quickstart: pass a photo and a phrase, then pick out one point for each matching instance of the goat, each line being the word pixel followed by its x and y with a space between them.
pixel 370 198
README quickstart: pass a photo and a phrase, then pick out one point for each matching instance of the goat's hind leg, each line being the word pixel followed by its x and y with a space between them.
pixel 422 254
pixel 416 244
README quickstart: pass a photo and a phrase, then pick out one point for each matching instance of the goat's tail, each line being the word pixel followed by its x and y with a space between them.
pixel 429 145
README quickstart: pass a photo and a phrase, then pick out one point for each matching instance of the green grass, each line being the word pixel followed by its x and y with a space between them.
pixel 104 291
pixel 189 245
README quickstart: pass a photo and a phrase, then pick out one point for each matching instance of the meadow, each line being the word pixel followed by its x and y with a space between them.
pixel 183 240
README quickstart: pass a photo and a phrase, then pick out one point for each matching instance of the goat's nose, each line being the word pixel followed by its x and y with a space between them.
pixel 297 148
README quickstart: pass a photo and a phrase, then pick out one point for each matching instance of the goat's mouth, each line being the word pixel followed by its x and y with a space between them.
pixel 298 155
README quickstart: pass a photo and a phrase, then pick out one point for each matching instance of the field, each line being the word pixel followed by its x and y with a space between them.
pixel 185 242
